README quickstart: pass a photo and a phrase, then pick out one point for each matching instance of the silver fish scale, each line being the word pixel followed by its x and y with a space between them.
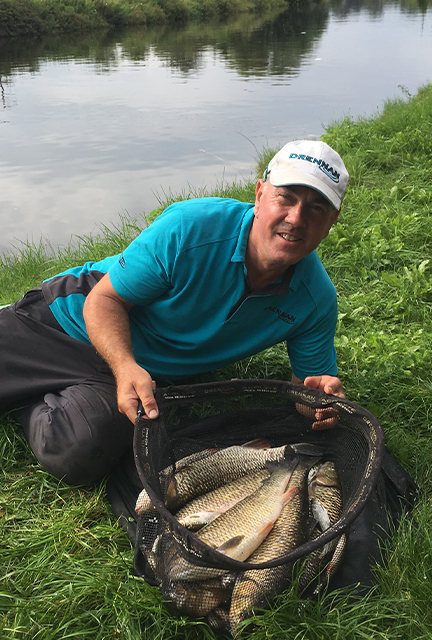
pixel 254 587
pixel 326 506
pixel 144 503
pixel 330 499
pixel 223 466
pixel 326 495
pixel 236 530
pixel 198 598
pixel 227 494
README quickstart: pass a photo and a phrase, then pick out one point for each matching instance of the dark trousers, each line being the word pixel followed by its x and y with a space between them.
pixel 61 392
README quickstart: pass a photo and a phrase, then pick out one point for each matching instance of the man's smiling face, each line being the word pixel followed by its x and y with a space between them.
pixel 289 223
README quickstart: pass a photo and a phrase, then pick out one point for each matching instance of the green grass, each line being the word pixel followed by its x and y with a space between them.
pixel 65 564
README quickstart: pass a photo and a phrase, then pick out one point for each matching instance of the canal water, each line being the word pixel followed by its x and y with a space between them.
pixel 106 125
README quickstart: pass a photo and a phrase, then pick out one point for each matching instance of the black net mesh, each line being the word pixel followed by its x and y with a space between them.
pixel 205 417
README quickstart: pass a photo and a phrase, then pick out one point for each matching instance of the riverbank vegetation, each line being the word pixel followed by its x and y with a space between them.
pixel 66 565
pixel 51 17
pixel 39 17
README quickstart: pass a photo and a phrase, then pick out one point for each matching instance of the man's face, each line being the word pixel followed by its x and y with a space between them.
pixel 289 223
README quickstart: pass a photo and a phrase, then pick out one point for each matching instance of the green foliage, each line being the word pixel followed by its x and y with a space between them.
pixel 19 17
pixel 204 9
pixel 66 566
pixel 175 10
pixel 34 17
pixel 113 13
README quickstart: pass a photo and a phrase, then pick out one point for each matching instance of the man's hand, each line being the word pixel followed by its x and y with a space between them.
pixel 328 384
pixel 324 418
pixel 134 384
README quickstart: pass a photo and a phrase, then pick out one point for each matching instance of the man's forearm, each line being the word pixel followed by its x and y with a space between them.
pixel 107 323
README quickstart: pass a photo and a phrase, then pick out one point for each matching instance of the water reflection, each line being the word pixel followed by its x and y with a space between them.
pixel 252 46
pixel 101 124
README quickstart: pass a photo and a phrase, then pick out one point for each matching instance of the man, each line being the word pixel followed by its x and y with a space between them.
pixel 210 282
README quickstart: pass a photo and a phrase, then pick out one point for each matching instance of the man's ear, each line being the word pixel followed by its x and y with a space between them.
pixel 334 216
pixel 259 189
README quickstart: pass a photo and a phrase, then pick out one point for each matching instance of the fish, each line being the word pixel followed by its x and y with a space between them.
pixel 337 556
pixel 326 503
pixel 240 530
pixel 249 502
pixel 188 466
pixel 144 503
pixel 218 618
pixel 197 598
pixel 320 565
pixel 206 508
pixel 257 587
pixel 202 476
pixel 325 494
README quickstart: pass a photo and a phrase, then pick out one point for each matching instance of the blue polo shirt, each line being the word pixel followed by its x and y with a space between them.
pixel 193 310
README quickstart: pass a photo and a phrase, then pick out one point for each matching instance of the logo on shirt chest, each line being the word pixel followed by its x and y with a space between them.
pixel 286 317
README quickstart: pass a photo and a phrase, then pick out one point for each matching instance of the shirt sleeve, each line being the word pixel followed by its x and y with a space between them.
pixel 143 271
pixel 311 351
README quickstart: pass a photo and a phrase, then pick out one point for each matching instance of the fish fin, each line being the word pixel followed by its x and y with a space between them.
pixel 266 529
pixel 289 451
pixel 171 494
pixel 312 474
pixel 231 543
pixel 307 449
pixel 290 494
pixel 258 443
pixel 289 463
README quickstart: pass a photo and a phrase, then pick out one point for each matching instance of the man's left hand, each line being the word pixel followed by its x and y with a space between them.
pixel 324 418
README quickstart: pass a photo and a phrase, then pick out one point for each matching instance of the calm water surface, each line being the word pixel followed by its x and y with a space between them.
pixel 101 126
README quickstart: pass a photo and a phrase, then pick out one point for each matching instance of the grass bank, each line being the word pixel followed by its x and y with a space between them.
pixel 38 17
pixel 65 565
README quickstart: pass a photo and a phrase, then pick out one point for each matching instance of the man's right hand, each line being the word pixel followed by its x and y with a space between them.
pixel 134 384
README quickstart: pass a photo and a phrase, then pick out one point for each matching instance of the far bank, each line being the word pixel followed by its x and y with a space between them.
pixel 42 17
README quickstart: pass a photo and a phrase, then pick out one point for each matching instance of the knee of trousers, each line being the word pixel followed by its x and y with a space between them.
pixel 77 437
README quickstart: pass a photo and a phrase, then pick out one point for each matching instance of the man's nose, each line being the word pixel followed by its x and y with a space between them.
pixel 295 214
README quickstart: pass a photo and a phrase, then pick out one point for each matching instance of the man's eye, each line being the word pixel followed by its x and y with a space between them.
pixel 318 208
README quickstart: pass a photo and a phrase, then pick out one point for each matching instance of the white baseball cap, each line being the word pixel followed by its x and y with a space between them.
pixel 310 163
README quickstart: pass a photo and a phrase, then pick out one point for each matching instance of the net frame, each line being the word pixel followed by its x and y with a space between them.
pixel 150 460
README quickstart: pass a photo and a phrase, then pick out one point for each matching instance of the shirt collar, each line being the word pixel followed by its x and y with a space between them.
pixel 284 283
pixel 240 250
